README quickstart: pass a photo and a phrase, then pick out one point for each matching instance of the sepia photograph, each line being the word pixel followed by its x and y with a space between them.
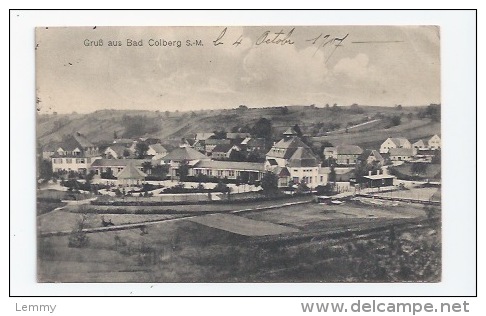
pixel 238 154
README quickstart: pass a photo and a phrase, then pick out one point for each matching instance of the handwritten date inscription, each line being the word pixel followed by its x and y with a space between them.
pixel 283 38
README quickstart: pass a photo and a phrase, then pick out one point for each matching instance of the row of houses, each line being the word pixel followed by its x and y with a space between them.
pixel 396 149
pixel 290 159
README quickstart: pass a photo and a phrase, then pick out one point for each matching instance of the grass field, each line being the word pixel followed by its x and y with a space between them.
pixel 184 251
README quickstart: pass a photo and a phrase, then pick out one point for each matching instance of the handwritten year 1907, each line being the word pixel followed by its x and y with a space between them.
pixel 283 38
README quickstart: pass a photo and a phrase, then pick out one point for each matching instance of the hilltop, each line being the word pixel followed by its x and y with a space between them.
pixel 361 125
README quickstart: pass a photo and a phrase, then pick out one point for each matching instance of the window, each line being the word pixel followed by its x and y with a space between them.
pixel 79 160
pixel 322 178
pixel 69 160
pixel 220 173
pixel 231 173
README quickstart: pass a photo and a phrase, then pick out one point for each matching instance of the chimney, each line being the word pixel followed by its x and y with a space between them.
pixel 369 173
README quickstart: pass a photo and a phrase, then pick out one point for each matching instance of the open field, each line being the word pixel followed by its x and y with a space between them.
pixel 185 251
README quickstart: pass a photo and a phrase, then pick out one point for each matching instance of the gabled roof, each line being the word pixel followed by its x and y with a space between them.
pixel 222 148
pixel 290 131
pixel 419 143
pixel 119 149
pixel 303 157
pixel 286 147
pixel 349 150
pixel 283 172
pixel 369 152
pixel 401 152
pixel 158 148
pixel 131 172
pixel 184 153
pixel 399 141
pixel 74 141
pixel 203 136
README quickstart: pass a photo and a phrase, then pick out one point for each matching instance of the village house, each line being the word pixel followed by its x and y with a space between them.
pixel 253 144
pixel 420 144
pixel 299 160
pixel 380 179
pixel 75 153
pixel 49 150
pixel 202 136
pixel 180 156
pixel 343 154
pixel 434 142
pixel 222 152
pixel 156 151
pixel 115 166
pixel 211 143
pixel 401 154
pixel 245 171
pixel 396 142
pixel 371 156
pixel 117 151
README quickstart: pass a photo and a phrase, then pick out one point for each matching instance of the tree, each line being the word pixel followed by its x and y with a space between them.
pixel 141 149
pixel 183 170
pixel 262 128
pixel 332 173
pixel 419 168
pixel 115 136
pixel 284 110
pixel 45 169
pixel 126 153
pixel 269 183
pixel 399 107
pixel 298 130
pixel 147 167
pixel 396 120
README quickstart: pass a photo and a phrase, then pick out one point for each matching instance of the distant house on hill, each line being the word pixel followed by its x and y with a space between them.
pixel 395 142
pixel 434 142
pixel 420 144
pixel 343 154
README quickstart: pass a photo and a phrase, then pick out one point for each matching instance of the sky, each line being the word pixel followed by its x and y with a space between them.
pixel 224 67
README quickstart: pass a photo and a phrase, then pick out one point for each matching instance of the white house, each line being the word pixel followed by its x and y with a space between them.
pixel 401 154
pixel 434 142
pixel 157 151
pixel 294 155
pixel 396 142
pixel 75 153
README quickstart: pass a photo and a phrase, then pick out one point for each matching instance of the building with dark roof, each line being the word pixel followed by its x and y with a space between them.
pixel 75 153
pixel 294 155
pixel 246 171
pixel 343 154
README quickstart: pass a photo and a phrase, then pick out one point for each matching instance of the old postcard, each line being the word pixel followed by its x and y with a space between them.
pixel 238 154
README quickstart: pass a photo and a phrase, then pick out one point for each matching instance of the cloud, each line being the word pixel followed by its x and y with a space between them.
pixel 356 68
